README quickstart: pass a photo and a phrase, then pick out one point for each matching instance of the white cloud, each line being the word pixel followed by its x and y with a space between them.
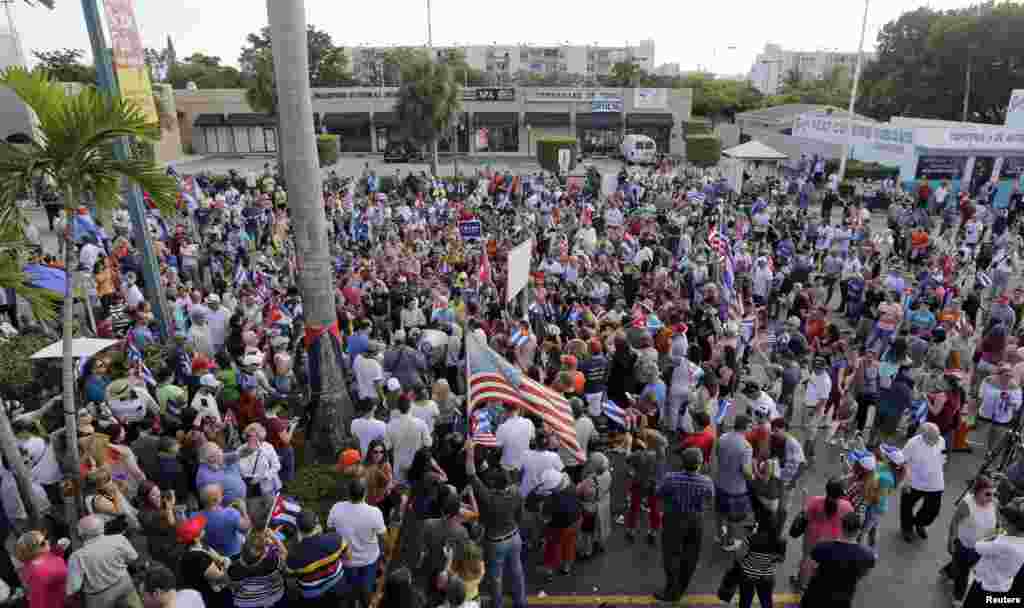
pixel 690 33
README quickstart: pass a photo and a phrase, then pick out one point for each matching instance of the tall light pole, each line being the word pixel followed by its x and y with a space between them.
pixel 332 408
pixel 853 94
pixel 430 27
pixel 967 77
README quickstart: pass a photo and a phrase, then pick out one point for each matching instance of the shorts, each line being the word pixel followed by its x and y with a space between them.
pixel 872 517
pixel 736 507
pixel 362 577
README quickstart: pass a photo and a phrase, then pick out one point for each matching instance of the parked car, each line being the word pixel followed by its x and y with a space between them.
pixel 402 152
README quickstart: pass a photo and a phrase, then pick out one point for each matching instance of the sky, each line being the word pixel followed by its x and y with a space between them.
pixel 723 36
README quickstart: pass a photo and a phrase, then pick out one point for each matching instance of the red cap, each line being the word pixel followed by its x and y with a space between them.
pixel 190 529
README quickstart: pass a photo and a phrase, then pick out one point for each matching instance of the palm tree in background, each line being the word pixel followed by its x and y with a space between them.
pixel 428 101
pixel 74 145
pixel 261 95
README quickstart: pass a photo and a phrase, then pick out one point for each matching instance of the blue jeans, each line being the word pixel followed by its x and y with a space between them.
pixel 879 334
pixel 361 578
pixel 504 558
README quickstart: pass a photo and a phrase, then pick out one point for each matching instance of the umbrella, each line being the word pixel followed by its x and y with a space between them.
pixel 80 347
pixel 45 277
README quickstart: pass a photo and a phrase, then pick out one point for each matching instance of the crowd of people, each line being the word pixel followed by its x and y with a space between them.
pixel 695 331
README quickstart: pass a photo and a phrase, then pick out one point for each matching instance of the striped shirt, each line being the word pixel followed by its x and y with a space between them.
pixel 258 584
pixel 764 554
pixel 316 563
pixel 686 493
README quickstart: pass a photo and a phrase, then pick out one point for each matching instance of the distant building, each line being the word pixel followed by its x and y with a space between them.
pixel 504 62
pixel 15 117
pixel 668 70
pixel 772 66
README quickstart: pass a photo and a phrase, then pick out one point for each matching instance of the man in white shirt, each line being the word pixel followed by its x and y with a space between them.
pixel 366 428
pixel 818 389
pixel 535 462
pixel 513 437
pixel 88 255
pixel 363 528
pixel 405 435
pixel 925 458
pixel 368 372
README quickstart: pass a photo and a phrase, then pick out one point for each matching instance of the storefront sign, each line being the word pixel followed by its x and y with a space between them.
pixel 606 104
pixel 985 138
pixel 833 130
pixel 650 98
pixel 357 93
pixel 571 94
pixel 941 167
pixel 489 94
pixel 471 229
pixel 129 56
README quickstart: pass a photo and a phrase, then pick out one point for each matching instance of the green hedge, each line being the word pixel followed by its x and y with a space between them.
pixel 703 150
pixel 856 169
pixel 697 127
pixel 327 149
pixel 547 152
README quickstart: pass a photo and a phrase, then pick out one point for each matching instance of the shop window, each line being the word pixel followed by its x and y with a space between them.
pixel 499 139
pixel 600 142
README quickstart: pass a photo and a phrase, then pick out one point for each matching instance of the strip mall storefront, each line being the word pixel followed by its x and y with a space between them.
pixel 498 121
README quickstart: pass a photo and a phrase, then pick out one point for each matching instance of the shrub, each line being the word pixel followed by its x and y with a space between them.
pixel 547 152
pixel 697 127
pixel 316 487
pixel 703 150
pixel 327 149
pixel 22 378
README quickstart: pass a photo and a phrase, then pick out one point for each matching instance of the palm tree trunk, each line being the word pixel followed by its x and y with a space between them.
pixel 433 156
pixel 67 366
pixel 330 403
pixel 16 462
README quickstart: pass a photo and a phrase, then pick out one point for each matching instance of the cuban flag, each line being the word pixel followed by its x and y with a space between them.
pixel 983 279
pixel 241 276
pixel 285 512
pixel 724 405
pixel 135 358
pixel 623 418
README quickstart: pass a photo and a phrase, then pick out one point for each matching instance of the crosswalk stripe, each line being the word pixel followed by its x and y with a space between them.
pixel 692 599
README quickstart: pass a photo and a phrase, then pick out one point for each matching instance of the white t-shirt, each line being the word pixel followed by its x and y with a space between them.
pixel 366 430
pixel 426 411
pixel 359 524
pixel 188 598
pixel 926 464
pixel 1001 560
pixel 42 459
pixel 818 389
pixel 513 437
pixel 535 462
pixel 88 255
pixel 368 373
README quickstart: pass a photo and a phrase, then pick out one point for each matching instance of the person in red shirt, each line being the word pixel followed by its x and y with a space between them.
pixel 944 408
pixel 704 440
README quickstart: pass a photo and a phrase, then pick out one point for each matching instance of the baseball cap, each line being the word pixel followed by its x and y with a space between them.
pixel 189 530
pixel 394 385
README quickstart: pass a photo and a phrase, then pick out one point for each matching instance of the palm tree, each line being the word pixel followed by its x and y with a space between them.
pixel 50 4
pixel 428 101
pixel 74 147
pixel 261 95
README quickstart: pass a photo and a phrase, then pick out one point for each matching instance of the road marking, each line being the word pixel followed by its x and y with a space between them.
pixel 692 599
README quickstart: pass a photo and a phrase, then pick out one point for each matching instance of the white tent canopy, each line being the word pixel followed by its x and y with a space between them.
pixel 754 150
pixel 80 347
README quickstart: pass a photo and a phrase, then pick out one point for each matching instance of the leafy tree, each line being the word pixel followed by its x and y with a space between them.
pixel 261 91
pixel 716 98
pixel 65 65
pixel 74 150
pixel 625 74
pixel 50 4
pixel 328 64
pixel 206 72
pixel 461 70
pixel 428 100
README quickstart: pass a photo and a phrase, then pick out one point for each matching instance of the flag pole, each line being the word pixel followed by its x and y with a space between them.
pixel 469 412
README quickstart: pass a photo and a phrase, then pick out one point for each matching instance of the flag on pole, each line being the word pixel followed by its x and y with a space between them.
pixel 485 268
pixel 492 378
pixel 285 512
pixel 718 241
pixel 135 358
pixel 724 405
pixel 622 417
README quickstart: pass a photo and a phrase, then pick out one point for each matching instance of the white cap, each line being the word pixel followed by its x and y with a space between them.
pixel 209 381
pixel 394 385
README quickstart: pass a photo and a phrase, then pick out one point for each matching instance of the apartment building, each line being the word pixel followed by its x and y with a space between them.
pixel 771 67
pixel 507 61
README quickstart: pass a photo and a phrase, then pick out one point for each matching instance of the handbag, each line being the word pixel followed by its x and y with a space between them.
pixel 253 489
pixel 730 583
pixel 799 525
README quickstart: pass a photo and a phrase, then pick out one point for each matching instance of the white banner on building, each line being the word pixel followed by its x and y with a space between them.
pixel 1015 111
pixel 644 99
pixel 833 130
pixel 982 138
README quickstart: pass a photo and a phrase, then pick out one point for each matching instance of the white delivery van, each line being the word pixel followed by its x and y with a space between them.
pixel 639 149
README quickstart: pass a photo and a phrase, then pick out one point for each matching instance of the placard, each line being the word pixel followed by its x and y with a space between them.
pixel 129 57
pixel 471 229
pixel 940 167
pixel 489 94
pixel 519 269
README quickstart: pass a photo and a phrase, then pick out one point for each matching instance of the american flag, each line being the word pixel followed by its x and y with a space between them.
pixel 487 440
pixel 492 378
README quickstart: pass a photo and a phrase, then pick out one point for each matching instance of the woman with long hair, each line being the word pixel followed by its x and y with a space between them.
pixel 380 479
pixel 44 571
pixel 824 523
pixel 159 523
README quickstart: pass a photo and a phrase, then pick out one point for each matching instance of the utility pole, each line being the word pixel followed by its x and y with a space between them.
pixel 330 401
pixel 106 81
pixel 430 28
pixel 967 77
pixel 853 94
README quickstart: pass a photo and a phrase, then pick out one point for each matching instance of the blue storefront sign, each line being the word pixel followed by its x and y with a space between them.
pixel 606 104
pixel 471 229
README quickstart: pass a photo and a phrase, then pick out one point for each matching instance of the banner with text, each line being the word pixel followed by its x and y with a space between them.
pixel 833 130
pixel 130 56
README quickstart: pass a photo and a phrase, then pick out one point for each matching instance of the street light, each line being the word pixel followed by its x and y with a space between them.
pixel 853 94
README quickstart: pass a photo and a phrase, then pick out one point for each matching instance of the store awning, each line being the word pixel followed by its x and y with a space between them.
pixel 495 119
pixel 649 120
pixel 251 119
pixel 599 120
pixel 343 120
pixel 385 119
pixel 208 120
pixel 551 119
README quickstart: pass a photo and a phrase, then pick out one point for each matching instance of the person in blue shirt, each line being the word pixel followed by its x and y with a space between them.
pixel 922 320
pixel 222 470
pixel 225 526
pixel 359 342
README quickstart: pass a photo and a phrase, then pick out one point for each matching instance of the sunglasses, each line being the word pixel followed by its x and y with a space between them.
pixel 378 451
